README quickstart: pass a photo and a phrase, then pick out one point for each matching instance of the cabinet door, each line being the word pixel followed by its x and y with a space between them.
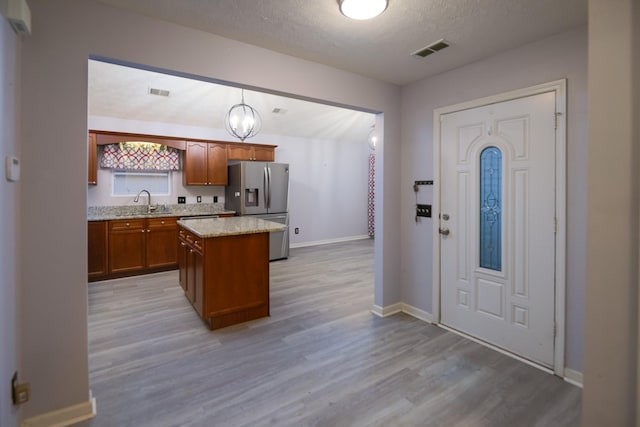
pixel 217 164
pixel 195 164
pixel 239 152
pixel 162 242
pixel 92 160
pixel 126 245
pixel 97 248
pixel 198 282
pixel 191 274
pixel 264 154
pixel 182 264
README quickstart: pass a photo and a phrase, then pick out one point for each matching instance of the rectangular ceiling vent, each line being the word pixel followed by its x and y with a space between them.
pixel 432 48
pixel 159 92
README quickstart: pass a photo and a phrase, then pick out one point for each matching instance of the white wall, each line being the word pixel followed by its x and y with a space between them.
pixel 54 108
pixel 611 344
pixel 328 187
pixel 328 179
pixel 558 57
pixel 9 218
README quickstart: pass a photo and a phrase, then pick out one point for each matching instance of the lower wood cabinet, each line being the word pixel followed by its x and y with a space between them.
pixel 127 247
pixel 97 249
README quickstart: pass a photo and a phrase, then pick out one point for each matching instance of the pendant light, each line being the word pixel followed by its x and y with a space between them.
pixel 372 139
pixel 242 120
pixel 362 9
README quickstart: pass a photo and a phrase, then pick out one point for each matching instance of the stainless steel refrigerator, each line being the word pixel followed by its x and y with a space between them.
pixel 262 189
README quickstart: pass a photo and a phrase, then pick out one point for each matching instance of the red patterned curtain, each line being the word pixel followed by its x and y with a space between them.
pixel 140 156
pixel 372 183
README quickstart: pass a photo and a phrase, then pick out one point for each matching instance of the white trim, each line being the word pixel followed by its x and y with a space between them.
pixel 329 241
pixel 387 311
pixel 417 313
pixel 401 307
pixel 560 88
pixel 573 377
pixel 65 416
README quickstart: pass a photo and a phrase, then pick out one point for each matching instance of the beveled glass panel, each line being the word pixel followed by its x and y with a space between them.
pixel 491 208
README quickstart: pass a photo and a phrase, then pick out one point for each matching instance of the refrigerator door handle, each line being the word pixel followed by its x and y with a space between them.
pixel 265 181
pixel 269 183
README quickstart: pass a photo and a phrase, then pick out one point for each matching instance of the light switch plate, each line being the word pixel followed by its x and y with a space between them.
pixel 12 168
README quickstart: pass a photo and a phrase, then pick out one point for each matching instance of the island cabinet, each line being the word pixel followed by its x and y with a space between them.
pixel 225 278
pixel 252 152
pixel 205 163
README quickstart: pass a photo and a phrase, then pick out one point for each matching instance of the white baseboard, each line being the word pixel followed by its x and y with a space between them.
pixel 417 313
pixel 387 311
pixel 64 417
pixel 329 241
pixel 573 377
pixel 401 307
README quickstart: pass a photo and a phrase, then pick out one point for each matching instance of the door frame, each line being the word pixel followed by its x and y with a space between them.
pixel 560 89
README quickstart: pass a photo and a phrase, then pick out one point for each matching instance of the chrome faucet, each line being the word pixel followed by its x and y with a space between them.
pixel 149 207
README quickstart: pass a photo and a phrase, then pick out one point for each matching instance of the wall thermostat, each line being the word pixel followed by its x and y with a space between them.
pixel 12 168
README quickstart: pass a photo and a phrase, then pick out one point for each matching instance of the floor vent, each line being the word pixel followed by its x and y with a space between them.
pixel 432 48
pixel 159 92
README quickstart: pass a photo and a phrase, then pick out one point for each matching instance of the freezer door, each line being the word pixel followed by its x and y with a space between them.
pixel 278 191
pixel 278 240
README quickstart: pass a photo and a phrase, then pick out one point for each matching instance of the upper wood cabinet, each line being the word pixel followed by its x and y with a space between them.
pixel 93 159
pixel 205 164
pixel 264 153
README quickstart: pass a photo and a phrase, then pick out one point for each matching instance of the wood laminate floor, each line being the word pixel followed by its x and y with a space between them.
pixel 321 359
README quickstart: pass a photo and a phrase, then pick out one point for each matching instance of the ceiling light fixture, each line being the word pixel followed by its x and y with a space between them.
pixel 242 120
pixel 362 9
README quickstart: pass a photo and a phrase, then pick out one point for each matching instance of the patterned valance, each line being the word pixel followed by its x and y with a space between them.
pixel 140 156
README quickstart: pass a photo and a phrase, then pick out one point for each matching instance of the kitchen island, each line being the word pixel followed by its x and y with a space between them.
pixel 224 267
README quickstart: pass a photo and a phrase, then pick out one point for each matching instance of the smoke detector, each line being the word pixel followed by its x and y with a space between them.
pixel 19 16
pixel 432 48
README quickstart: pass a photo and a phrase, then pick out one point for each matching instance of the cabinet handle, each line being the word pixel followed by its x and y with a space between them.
pixel 195 243
pixel 148 230
pixel 144 231
pixel 162 222
pixel 127 224
pixel 182 244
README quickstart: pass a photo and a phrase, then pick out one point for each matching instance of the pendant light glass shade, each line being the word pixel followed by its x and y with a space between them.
pixel 362 9
pixel 372 140
pixel 242 121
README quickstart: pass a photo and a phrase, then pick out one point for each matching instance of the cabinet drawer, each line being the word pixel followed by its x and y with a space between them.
pixel 127 224
pixel 155 223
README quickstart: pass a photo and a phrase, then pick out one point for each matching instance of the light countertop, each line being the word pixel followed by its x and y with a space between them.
pixel 218 227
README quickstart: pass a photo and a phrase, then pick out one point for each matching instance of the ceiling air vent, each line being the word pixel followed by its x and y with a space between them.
pixel 159 92
pixel 432 48
pixel 278 110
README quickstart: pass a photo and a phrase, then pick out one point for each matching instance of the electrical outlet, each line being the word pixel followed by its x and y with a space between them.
pixel 182 200
pixel 199 199
pixel 19 392
pixel 296 230
pixel 215 199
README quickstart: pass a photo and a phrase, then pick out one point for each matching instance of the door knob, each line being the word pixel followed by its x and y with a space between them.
pixel 444 231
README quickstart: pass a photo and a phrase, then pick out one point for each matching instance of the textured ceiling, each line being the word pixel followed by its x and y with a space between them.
pixel 379 48
pixel 315 30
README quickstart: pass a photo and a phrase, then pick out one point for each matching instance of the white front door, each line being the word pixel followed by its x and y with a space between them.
pixel 497 204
